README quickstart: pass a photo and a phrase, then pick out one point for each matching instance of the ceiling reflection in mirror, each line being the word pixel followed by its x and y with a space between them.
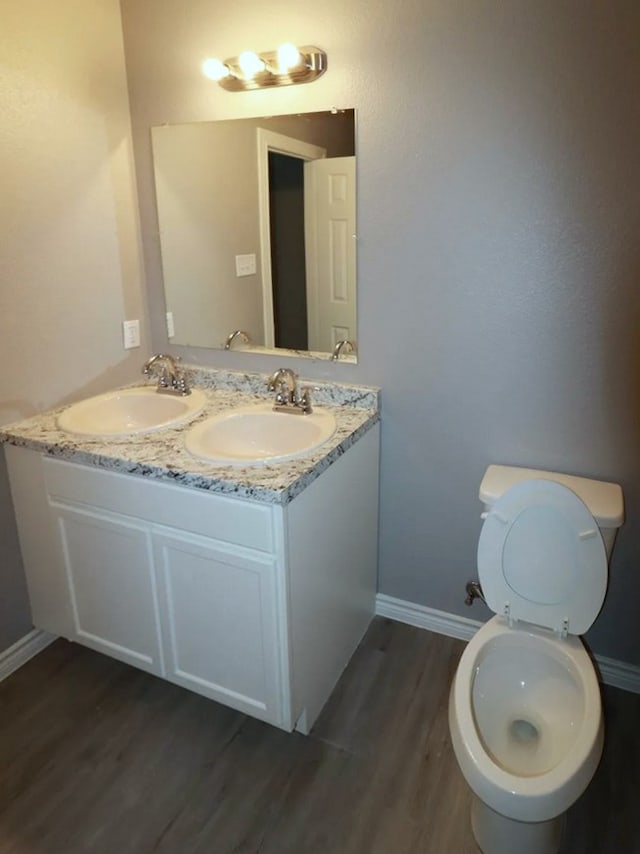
pixel 257 230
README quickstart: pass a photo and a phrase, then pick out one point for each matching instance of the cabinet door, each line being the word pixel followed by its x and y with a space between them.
pixel 109 566
pixel 220 625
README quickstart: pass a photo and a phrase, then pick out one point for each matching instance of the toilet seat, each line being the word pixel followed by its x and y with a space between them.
pixel 541 558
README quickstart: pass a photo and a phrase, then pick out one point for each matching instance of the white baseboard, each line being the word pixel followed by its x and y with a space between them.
pixel 422 617
pixel 619 674
pixel 616 673
pixel 21 651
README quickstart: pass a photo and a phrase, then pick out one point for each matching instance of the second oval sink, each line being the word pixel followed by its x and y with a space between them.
pixel 252 435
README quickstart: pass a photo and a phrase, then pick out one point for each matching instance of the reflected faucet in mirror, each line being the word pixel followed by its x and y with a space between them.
pixel 277 258
pixel 238 333
pixel 345 346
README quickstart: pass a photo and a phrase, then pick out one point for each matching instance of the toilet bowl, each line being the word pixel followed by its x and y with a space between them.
pixel 525 713
pixel 526 726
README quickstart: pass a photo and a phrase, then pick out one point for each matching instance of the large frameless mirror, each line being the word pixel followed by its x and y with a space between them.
pixel 258 231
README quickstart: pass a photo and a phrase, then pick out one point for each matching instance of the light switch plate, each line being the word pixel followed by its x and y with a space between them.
pixel 171 330
pixel 130 334
pixel 246 265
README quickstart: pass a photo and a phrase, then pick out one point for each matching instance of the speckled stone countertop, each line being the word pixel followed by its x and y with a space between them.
pixel 162 454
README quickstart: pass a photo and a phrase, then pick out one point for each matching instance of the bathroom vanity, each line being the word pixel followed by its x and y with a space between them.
pixel 251 586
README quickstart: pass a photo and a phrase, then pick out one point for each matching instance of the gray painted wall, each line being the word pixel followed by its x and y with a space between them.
pixel 498 266
pixel 499 209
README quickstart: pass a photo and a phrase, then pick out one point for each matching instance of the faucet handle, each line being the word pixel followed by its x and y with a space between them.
pixel 304 402
pixel 181 384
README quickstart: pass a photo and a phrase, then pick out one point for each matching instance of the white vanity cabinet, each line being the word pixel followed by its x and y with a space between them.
pixel 255 605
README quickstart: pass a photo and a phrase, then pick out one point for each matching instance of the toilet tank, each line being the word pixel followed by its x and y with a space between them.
pixel 604 500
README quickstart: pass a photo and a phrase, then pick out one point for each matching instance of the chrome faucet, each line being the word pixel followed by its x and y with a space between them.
pixel 238 333
pixel 288 399
pixel 171 380
pixel 345 346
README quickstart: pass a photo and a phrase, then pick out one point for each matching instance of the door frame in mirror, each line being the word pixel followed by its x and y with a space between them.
pixel 269 141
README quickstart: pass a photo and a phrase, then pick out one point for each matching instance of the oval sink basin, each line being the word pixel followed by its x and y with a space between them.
pixel 130 412
pixel 252 435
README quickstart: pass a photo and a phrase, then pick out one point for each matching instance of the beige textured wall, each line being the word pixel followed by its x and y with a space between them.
pixel 70 265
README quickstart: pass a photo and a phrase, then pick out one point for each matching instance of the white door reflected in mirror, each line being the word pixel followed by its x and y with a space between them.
pixel 330 228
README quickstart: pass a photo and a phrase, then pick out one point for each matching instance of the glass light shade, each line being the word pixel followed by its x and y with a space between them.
pixel 215 69
pixel 288 57
pixel 250 63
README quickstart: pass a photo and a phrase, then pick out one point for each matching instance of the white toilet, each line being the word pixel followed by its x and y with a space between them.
pixel 524 710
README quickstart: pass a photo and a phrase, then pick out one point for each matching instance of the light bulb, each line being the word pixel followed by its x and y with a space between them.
pixel 288 57
pixel 214 69
pixel 250 63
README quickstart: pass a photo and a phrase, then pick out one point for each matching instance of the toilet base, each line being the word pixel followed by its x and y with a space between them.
pixel 497 834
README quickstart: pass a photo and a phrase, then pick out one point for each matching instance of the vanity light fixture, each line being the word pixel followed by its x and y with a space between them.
pixel 282 67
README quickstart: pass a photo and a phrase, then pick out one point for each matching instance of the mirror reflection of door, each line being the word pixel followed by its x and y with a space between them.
pixel 330 226
pixel 288 268
pixel 308 236
pixel 291 149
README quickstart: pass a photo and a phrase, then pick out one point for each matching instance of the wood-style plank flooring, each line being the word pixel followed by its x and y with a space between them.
pixel 99 758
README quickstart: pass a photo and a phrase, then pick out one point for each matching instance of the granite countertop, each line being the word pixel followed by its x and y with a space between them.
pixel 162 454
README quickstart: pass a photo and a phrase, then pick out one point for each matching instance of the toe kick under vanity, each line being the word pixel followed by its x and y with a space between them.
pixel 250 585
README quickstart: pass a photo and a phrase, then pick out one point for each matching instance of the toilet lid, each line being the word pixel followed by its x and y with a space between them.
pixel 541 558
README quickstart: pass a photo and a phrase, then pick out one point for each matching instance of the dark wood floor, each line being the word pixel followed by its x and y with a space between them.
pixel 98 757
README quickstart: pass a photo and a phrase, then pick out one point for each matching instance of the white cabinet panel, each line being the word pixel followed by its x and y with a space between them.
pixel 220 626
pixel 109 567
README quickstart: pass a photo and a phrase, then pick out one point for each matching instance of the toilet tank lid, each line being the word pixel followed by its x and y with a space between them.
pixel 604 500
